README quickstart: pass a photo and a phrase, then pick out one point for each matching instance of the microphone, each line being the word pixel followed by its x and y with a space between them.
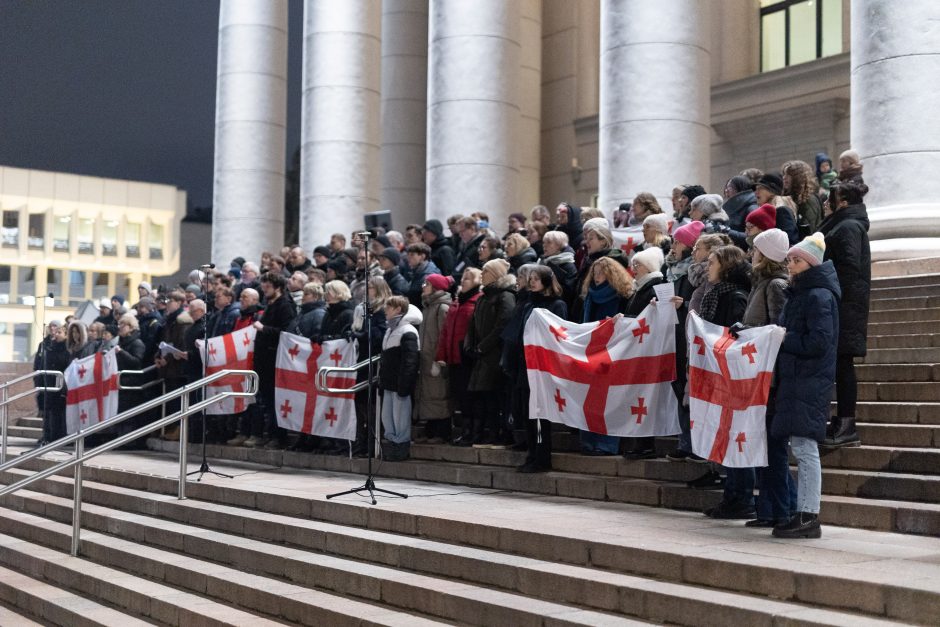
pixel 363 234
pixel 210 266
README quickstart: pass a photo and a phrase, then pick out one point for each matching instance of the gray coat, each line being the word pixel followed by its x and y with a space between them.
pixel 766 300
pixel 433 392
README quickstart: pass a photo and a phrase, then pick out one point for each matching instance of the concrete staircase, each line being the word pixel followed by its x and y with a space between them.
pixel 549 549
pixel 267 548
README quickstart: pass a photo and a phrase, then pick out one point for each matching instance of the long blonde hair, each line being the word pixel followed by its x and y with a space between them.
pixel 617 276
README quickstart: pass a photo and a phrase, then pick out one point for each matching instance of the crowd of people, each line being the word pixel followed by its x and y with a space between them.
pixel 449 303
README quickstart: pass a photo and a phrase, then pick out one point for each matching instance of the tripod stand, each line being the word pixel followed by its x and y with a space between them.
pixel 204 466
pixel 369 485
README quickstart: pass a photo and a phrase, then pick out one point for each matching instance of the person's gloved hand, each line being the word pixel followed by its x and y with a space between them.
pixel 736 328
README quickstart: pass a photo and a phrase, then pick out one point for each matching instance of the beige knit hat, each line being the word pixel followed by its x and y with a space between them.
pixel 497 267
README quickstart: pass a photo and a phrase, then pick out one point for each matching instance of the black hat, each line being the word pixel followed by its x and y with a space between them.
pixel 238 262
pixel 391 254
pixel 381 239
pixel 323 250
pixel 434 226
pixel 338 266
pixel 693 191
pixel 773 182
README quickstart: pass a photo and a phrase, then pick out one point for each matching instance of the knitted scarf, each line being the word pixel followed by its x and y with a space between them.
pixel 710 300
pixel 601 302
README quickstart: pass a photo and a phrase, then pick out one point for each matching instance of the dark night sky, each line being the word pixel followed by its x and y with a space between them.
pixel 119 88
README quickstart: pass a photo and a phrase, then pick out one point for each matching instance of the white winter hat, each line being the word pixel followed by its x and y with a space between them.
pixel 708 204
pixel 773 244
pixel 650 258
pixel 658 221
pixel 600 226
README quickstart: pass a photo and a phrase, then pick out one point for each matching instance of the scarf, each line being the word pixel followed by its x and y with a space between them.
pixel 698 273
pixel 676 269
pixel 605 298
pixel 463 297
pixel 562 257
pixel 711 297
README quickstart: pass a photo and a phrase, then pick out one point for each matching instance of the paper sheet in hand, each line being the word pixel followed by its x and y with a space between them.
pixel 169 349
pixel 664 292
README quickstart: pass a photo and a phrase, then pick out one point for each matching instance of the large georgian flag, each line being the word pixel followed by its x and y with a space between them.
pixel 612 377
pixel 729 380
pixel 299 405
pixel 625 238
pixel 92 395
pixel 232 351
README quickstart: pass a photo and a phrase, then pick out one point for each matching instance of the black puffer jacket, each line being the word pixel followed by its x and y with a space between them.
pixel 521 258
pixel 396 282
pixel 337 321
pixel 277 315
pixel 847 246
pixel 483 339
pixel 398 366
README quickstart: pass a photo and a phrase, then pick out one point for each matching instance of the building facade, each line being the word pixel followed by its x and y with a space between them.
pixel 502 104
pixel 77 238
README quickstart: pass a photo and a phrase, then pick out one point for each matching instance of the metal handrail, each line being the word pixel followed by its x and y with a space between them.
pixel 81 456
pixel 145 386
pixel 322 373
pixel 6 400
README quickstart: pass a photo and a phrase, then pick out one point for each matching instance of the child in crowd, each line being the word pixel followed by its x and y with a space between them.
pixel 398 372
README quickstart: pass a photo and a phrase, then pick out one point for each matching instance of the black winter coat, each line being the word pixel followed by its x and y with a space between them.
pixel 193 366
pixel 418 275
pixel 732 305
pixel 56 358
pixel 513 360
pixel 443 256
pixel 806 365
pixel 396 282
pixel 521 258
pixel 847 246
pixel 222 322
pixel 398 366
pixel 642 297
pixel 787 223
pixel 151 330
pixel 337 321
pixel 277 315
pixel 308 320
pixel 484 339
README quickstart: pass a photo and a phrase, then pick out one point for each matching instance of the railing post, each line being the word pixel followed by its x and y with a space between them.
pixel 184 440
pixel 3 427
pixel 77 495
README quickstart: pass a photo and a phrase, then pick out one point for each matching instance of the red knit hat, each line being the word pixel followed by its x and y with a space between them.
pixel 438 282
pixel 764 217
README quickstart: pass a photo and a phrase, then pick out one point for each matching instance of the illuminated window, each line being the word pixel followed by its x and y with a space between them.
pixel 797 31
pixel 132 239
pixel 11 229
pixel 109 233
pixel 86 236
pixel 60 233
pixel 156 241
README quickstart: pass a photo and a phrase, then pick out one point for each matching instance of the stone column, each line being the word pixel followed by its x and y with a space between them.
pixel 404 109
pixel 655 96
pixel 530 105
pixel 473 108
pixel 340 136
pixel 895 122
pixel 250 123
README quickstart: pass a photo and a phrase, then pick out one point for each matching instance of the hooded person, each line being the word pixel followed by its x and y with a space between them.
pixel 825 174
pixel 569 222
pixel 850 167
pixel 442 254
pixel 740 201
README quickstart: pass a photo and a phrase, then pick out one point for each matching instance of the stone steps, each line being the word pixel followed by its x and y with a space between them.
pixel 16 431
pixel 902 356
pixel 908 340
pixel 904 281
pixel 898 391
pixel 903 328
pixel 898 413
pixel 919 301
pixel 12 617
pixel 29 421
pixel 885 373
pixel 901 291
pixel 460 567
pixel 903 315
pixel 657 483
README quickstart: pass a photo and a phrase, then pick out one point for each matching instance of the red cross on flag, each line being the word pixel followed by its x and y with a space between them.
pixel 232 351
pixel 92 395
pixel 729 381
pixel 612 377
pixel 625 238
pixel 299 405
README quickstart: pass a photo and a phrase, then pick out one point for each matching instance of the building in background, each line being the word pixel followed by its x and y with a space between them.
pixel 77 238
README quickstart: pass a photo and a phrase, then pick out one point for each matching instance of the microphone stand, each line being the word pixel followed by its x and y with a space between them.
pixel 204 467
pixel 369 485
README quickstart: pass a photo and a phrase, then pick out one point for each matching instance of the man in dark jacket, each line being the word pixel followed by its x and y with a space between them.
pixel 389 259
pixel 298 261
pixel 312 311
pixel 441 253
pixel 421 266
pixel 278 314
pixel 227 312
pixel 151 327
pixel 172 368
pixel 468 232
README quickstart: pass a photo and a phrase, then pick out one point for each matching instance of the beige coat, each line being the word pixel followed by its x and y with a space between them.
pixel 433 393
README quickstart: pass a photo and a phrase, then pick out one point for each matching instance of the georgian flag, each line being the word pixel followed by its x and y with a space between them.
pixel 626 237
pixel 298 403
pixel 612 377
pixel 92 395
pixel 232 351
pixel 729 380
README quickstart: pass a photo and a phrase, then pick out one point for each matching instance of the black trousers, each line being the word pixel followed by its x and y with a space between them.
pixel 846 386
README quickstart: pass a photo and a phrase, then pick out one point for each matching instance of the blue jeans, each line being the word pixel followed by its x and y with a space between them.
pixel 809 486
pixel 777 498
pixel 596 442
pixel 396 417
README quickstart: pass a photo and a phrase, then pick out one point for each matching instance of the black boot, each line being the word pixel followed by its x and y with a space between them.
pixel 801 525
pixel 845 435
pixel 834 424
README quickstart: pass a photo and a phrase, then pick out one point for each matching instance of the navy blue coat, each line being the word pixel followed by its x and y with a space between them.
pixel 806 365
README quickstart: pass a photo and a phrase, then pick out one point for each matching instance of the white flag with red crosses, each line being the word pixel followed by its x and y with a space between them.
pixel 729 381
pixel 612 377
pixel 625 238
pixel 232 351
pixel 92 395
pixel 299 405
